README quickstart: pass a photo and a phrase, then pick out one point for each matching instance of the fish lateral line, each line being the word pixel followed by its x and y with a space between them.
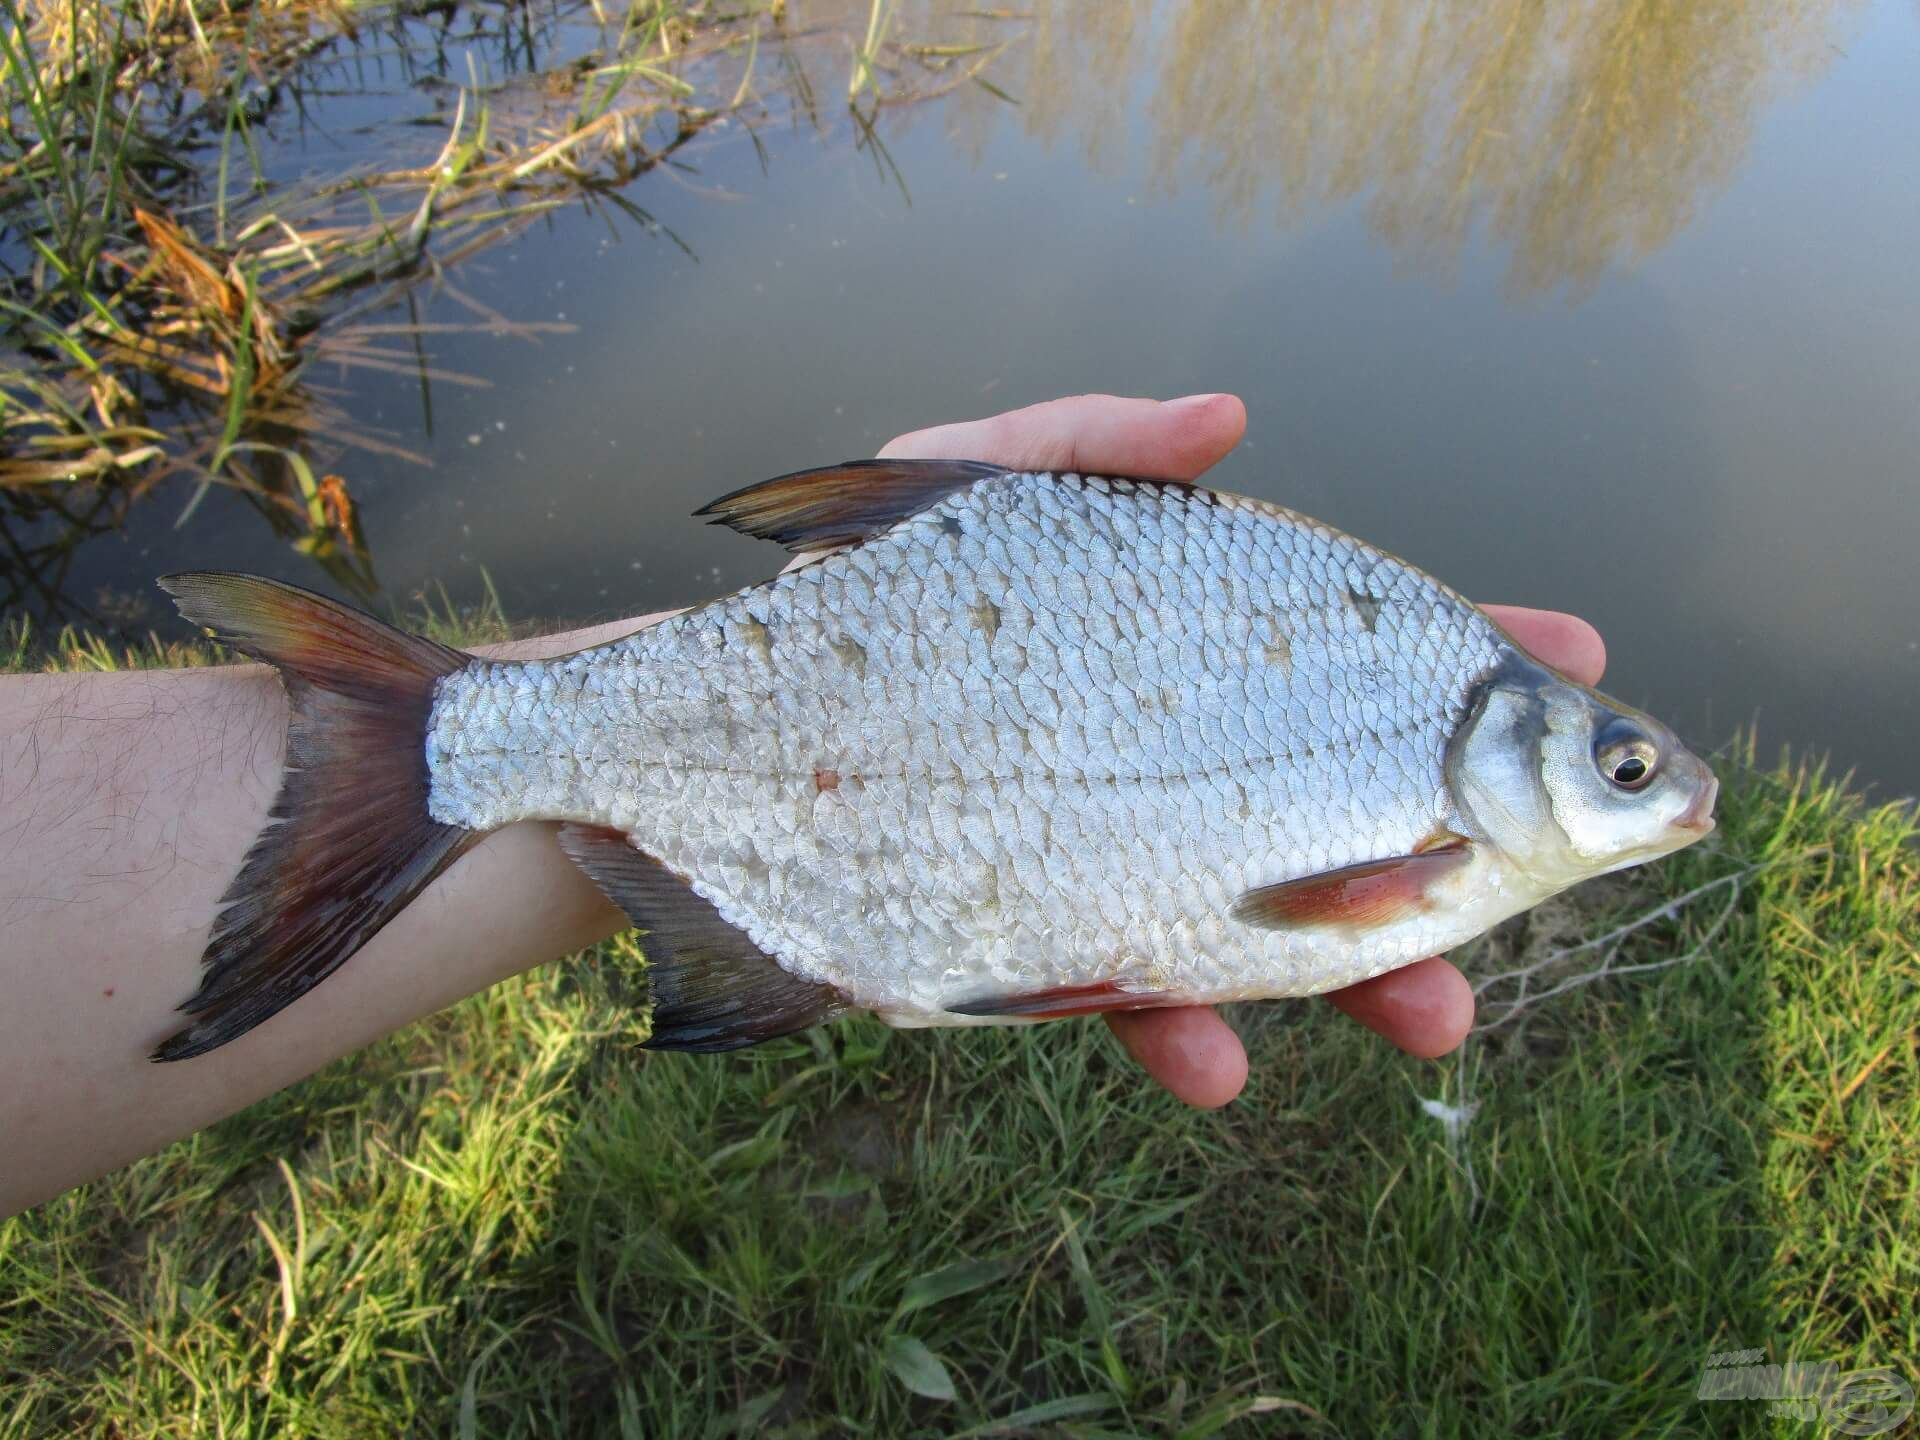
pixel 810 828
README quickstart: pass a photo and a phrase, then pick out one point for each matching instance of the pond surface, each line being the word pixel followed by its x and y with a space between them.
pixel 1570 306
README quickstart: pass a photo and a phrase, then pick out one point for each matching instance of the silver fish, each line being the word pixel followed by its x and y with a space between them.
pixel 1010 746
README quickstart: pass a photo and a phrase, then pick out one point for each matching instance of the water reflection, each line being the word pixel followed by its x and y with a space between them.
pixel 1582 133
pixel 40 529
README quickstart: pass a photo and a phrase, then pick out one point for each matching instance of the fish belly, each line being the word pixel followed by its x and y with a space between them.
pixel 1039 736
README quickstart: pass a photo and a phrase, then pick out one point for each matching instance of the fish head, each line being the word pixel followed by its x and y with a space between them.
pixel 1569 783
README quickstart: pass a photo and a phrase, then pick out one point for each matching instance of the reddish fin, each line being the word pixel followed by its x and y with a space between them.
pixel 349 842
pixel 713 988
pixel 1356 897
pixel 843 504
pixel 1065 1000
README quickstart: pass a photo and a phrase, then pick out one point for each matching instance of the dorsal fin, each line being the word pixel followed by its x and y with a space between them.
pixel 843 504
pixel 712 987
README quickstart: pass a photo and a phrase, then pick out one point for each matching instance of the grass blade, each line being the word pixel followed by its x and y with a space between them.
pixel 917 1367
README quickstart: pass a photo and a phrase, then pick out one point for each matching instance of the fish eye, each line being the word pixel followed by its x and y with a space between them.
pixel 1625 755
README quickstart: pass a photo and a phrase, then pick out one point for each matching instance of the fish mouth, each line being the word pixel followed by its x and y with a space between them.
pixel 1697 818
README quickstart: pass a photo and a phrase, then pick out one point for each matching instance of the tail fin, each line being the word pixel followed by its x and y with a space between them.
pixel 349 841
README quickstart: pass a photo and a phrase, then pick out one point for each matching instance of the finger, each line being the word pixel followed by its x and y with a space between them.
pixel 1093 434
pixel 1426 1008
pixel 1564 641
pixel 1191 1051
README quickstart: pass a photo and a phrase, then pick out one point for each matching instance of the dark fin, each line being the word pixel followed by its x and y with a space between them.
pixel 1067 1000
pixel 1355 897
pixel 843 504
pixel 713 988
pixel 349 842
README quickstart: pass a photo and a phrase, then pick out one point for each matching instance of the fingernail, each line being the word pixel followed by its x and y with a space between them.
pixel 1190 402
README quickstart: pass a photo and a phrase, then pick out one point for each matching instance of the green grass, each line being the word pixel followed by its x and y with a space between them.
pixel 507 1220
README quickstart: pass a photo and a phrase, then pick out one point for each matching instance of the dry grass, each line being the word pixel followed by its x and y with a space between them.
pixel 164 299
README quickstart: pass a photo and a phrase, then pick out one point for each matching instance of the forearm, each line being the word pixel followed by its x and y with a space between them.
pixel 127 802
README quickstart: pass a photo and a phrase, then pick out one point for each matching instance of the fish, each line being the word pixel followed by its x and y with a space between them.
pixel 1001 746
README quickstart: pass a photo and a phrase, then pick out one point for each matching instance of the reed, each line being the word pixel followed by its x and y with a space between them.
pixel 163 300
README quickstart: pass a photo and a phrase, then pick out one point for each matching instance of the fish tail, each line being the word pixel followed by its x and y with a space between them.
pixel 349 841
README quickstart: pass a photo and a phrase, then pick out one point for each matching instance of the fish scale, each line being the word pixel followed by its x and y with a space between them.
pixel 1129 689
pixel 1010 746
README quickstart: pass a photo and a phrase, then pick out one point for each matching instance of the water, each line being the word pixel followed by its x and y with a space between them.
pixel 1620 319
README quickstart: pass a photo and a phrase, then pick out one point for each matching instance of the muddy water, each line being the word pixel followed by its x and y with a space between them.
pixel 1616 316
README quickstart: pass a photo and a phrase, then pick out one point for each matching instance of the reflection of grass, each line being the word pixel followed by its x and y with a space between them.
pixel 162 297
pixel 1577 136
pixel 506 1220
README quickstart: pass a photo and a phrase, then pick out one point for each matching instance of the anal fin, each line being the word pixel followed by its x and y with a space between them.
pixel 1356 897
pixel 713 988
pixel 1064 1000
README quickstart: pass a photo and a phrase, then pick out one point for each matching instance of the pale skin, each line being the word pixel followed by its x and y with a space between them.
pixel 127 802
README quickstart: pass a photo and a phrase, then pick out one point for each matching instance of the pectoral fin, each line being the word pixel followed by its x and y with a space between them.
pixel 713 988
pixel 1356 897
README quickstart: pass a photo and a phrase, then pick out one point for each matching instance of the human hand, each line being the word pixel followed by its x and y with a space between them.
pixel 1425 1008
